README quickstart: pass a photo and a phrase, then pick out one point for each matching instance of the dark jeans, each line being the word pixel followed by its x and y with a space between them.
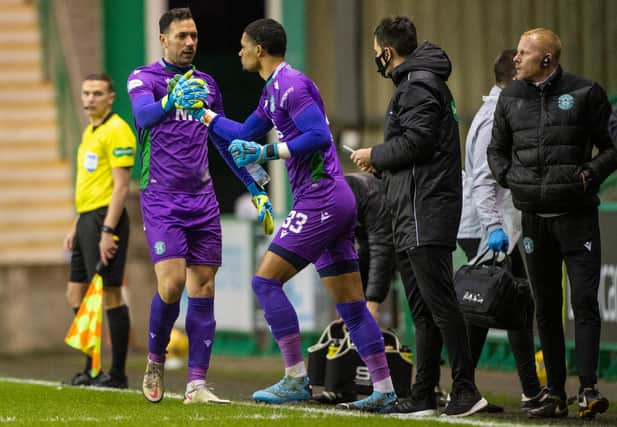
pixel 426 272
pixel 574 238
pixel 521 340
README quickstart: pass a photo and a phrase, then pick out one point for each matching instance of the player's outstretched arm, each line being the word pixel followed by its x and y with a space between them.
pixel 315 136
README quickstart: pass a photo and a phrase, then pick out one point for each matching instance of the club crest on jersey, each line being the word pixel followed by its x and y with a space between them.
pixel 160 247
pixel 565 102
pixel 528 245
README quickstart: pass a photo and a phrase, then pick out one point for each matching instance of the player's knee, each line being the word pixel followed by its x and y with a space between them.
pixel 170 287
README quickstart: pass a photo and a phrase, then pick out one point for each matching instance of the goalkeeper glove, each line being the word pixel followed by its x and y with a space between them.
pixel 186 91
pixel 261 201
pixel 171 84
pixel 245 152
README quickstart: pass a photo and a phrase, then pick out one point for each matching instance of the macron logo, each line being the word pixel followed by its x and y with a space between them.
pixel 152 335
pixel 283 233
pixel 588 245
pixel 325 215
pixel 208 343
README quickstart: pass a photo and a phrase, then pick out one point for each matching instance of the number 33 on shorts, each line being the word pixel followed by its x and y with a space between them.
pixel 294 222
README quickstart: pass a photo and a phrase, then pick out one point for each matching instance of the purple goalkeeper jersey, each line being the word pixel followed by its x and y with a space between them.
pixel 286 94
pixel 174 152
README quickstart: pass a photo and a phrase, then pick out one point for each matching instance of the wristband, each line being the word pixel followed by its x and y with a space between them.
pixel 107 229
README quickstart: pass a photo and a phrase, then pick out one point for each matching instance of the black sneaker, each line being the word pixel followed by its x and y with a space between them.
pixel 492 409
pixel 590 403
pixel 528 403
pixel 551 406
pixel 333 397
pixel 106 380
pixel 413 408
pixel 464 402
pixel 80 379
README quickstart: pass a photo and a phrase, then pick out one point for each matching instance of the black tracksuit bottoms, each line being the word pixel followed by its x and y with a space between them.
pixel 573 237
pixel 426 272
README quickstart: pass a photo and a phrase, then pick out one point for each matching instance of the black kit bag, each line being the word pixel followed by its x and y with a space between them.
pixel 346 375
pixel 490 296
pixel 333 335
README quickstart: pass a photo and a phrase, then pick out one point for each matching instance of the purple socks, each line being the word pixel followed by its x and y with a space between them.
pixel 162 319
pixel 200 327
pixel 366 336
pixel 281 317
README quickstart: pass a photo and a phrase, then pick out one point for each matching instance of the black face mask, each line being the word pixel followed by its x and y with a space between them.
pixel 382 63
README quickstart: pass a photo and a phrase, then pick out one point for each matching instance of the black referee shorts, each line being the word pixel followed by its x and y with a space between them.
pixel 86 252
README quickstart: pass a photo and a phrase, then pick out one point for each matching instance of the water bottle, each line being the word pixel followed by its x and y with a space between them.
pixel 258 173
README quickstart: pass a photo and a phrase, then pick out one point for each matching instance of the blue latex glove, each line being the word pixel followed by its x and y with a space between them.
pixel 498 241
pixel 245 152
pixel 261 201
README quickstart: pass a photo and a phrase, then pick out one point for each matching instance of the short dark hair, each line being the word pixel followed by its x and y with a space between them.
pixel 269 34
pixel 397 32
pixel 177 14
pixel 504 66
pixel 101 77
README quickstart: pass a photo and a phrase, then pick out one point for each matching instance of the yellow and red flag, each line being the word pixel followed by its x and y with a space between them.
pixel 85 331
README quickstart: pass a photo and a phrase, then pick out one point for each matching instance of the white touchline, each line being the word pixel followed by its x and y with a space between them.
pixel 336 412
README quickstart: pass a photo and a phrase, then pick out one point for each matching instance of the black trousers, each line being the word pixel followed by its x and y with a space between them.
pixel 426 272
pixel 521 340
pixel 574 238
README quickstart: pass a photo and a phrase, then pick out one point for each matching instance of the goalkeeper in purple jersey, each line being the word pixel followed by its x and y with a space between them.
pixel 320 227
pixel 180 210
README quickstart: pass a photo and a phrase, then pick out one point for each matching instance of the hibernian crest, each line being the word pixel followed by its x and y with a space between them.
pixel 528 245
pixel 159 248
pixel 565 102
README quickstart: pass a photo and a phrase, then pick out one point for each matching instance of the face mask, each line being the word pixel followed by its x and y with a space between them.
pixel 382 63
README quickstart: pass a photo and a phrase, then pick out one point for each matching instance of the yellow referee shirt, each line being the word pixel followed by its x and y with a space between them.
pixel 110 145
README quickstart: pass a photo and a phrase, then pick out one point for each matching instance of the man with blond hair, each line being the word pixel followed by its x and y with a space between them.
pixel 545 127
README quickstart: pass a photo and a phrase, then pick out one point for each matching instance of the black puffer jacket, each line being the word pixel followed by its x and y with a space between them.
pixel 420 159
pixel 373 235
pixel 543 138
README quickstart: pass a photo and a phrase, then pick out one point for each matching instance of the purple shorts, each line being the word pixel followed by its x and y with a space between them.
pixel 181 225
pixel 321 230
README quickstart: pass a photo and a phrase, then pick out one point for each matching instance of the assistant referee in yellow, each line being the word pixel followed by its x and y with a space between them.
pixel 101 230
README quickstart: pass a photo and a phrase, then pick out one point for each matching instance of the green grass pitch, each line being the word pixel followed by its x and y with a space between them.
pixel 36 403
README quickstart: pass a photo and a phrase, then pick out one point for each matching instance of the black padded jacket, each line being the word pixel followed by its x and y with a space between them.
pixel 420 159
pixel 543 138
pixel 373 235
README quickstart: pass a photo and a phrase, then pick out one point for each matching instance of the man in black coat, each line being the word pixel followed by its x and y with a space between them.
pixel 374 240
pixel 420 165
pixel 545 126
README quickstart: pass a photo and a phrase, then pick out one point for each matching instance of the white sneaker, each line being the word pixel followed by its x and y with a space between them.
pixel 200 392
pixel 153 385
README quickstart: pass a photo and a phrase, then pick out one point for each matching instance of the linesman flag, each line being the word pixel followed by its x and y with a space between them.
pixel 85 331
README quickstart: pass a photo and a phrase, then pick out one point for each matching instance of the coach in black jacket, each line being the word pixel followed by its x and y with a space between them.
pixel 546 124
pixel 420 165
